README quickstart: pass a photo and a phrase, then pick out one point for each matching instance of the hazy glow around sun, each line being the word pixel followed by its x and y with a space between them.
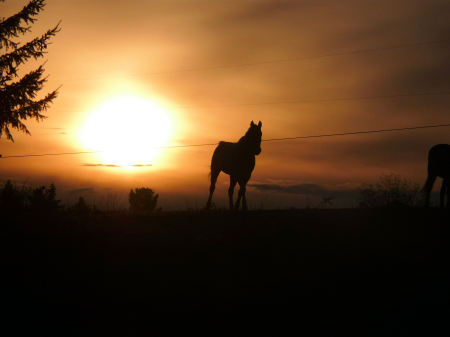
pixel 128 130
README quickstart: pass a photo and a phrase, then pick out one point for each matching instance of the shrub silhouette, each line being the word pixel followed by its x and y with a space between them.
pixel 390 191
pixel 142 200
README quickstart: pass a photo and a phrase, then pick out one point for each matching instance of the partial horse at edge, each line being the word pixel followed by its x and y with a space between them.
pixel 438 166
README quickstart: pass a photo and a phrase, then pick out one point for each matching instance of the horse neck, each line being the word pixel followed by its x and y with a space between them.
pixel 244 143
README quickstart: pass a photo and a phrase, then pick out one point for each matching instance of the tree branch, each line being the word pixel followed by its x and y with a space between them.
pixel 11 27
pixel 35 48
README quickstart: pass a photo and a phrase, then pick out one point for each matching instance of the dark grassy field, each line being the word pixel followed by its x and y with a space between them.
pixel 300 272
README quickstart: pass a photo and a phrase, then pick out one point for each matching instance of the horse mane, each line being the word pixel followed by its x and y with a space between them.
pixel 244 137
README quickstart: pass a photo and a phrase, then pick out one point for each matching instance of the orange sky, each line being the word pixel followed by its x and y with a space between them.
pixel 172 52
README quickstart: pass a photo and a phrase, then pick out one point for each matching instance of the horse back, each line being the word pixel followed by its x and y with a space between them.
pixel 224 152
pixel 229 158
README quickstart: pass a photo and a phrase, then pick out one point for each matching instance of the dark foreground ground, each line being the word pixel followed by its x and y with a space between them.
pixel 303 272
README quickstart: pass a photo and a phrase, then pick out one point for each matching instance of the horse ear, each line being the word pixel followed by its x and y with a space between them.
pixel 259 124
pixel 251 124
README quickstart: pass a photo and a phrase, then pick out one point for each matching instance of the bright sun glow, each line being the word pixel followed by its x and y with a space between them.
pixel 128 130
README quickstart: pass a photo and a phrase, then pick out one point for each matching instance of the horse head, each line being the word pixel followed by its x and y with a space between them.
pixel 253 136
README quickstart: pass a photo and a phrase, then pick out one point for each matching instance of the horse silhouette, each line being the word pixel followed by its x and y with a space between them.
pixel 438 166
pixel 238 161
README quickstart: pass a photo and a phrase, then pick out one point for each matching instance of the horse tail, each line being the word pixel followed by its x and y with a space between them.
pixel 212 159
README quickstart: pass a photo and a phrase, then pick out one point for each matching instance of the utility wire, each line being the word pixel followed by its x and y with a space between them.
pixel 264 140
pixel 305 58
pixel 359 132
pixel 48 154
pixel 337 99
pixel 300 101
pixel 283 60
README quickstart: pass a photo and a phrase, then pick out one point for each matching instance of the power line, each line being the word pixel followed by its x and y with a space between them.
pixel 264 140
pixel 322 100
pixel 319 100
pixel 359 132
pixel 283 60
pixel 304 58
pixel 48 154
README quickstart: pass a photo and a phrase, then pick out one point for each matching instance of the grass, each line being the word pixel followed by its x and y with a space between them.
pixel 337 272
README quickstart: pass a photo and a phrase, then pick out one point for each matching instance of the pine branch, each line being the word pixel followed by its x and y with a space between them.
pixel 31 109
pixel 17 103
pixel 33 49
pixel 11 27
pixel 26 88
pixel 15 124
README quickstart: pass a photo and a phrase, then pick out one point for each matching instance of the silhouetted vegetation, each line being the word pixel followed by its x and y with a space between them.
pixel 12 199
pixel 41 199
pixel 18 94
pixel 390 191
pixel 81 207
pixel 142 200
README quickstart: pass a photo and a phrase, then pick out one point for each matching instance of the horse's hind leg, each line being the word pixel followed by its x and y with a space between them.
pixel 244 198
pixel 241 194
pixel 233 182
pixel 214 174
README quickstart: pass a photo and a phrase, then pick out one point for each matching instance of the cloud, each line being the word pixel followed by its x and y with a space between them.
pixel 100 165
pixel 305 189
pixel 113 165
pixel 260 11
pixel 295 189
pixel 283 194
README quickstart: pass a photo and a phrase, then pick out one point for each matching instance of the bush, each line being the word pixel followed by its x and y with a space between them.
pixel 390 191
pixel 142 200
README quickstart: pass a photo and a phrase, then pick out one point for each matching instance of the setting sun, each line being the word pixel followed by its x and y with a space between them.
pixel 127 130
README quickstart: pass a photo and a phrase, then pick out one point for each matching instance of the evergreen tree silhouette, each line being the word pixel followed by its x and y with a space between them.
pixel 43 199
pixel 18 101
pixel 11 198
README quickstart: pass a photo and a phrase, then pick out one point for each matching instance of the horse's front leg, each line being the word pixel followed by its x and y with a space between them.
pixel 443 192
pixel 447 189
